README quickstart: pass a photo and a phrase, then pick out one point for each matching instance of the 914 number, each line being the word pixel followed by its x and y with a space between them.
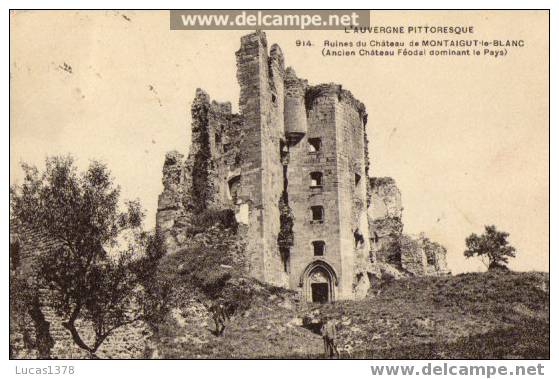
pixel 303 43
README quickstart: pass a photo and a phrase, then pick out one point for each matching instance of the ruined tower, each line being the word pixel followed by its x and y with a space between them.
pixel 326 191
pixel 293 166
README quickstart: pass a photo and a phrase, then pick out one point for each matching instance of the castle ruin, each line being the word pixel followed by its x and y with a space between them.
pixel 294 167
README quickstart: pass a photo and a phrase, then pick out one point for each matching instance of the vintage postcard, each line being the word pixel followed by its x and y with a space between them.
pixel 248 184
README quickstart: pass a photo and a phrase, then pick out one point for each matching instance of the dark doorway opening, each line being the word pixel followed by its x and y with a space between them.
pixel 319 292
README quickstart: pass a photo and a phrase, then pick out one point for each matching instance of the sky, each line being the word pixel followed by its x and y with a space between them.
pixel 466 139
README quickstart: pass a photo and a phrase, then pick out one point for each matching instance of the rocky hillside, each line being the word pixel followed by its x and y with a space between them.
pixel 478 315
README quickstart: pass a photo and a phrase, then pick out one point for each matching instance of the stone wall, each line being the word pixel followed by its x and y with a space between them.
pixel 171 215
pixel 126 342
pixel 352 193
pixel 260 77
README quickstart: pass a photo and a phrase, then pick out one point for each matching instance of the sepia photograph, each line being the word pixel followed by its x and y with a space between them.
pixel 279 185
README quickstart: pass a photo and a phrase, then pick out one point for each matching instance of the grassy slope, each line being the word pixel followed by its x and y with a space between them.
pixel 478 315
pixel 466 316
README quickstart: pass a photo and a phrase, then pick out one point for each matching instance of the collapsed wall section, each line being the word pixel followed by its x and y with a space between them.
pixel 225 129
pixel 209 177
pixel 394 250
pixel 385 218
pixel 422 257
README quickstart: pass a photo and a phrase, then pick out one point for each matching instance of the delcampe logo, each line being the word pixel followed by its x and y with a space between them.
pixel 267 19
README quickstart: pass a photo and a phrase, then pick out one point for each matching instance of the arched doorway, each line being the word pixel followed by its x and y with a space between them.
pixel 319 282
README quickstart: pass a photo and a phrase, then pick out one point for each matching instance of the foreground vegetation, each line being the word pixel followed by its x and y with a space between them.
pixel 469 316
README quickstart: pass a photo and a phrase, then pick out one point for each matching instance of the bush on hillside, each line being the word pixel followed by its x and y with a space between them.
pixel 224 218
pixel 210 266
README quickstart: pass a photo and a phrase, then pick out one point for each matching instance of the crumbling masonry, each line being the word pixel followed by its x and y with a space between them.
pixel 294 167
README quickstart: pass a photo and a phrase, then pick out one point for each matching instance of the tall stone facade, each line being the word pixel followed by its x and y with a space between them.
pixel 293 165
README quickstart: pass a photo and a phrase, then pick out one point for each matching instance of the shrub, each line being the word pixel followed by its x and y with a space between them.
pixel 208 218
pixel 210 267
